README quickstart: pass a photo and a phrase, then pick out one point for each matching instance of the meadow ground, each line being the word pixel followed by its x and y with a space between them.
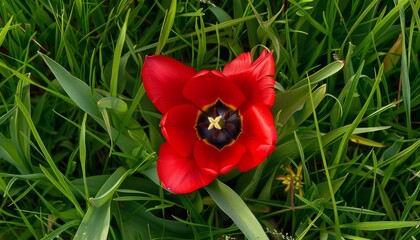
pixel 79 137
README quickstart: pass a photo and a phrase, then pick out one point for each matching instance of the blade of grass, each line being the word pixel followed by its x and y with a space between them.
pixel 82 153
pixel 61 179
pixel 404 77
pixel 356 121
pixel 320 75
pixel 4 30
pixel 324 162
pixel 208 29
pixel 380 225
pixel 168 22
pixel 113 88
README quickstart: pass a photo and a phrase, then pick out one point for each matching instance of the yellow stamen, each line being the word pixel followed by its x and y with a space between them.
pixel 214 122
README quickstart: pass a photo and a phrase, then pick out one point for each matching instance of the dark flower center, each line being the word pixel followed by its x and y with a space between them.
pixel 219 124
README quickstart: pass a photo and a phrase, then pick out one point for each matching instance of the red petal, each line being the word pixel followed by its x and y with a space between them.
pixel 180 174
pixel 208 86
pixel 258 136
pixel 263 65
pixel 178 127
pixel 255 80
pixel 164 79
pixel 238 65
pixel 214 161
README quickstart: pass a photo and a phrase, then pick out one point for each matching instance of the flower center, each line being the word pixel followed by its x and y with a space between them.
pixel 216 123
pixel 219 124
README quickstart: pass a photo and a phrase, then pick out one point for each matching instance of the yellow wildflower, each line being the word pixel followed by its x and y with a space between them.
pixel 292 180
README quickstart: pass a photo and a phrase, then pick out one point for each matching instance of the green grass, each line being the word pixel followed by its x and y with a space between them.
pixel 78 135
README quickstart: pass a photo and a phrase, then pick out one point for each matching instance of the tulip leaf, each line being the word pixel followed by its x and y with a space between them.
pixel 233 205
pixel 110 186
pixel 95 223
pixel 112 103
pixel 10 153
pixel 75 88
pixel 86 99
pixel 297 114
pixel 220 14
pixel 137 222
pixel 288 103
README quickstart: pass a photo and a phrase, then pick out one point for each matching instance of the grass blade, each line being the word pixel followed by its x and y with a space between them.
pixel 113 88
pixel 168 22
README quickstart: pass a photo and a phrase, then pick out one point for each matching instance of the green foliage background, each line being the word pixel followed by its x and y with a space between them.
pixel 78 135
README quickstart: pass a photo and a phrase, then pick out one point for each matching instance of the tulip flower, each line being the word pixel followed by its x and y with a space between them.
pixel 213 121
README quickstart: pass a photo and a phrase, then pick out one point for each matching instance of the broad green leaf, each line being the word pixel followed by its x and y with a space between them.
pixel 86 99
pixel 144 225
pixel 10 153
pixel 95 223
pixel 289 102
pixel 77 90
pixel 306 111
pixel 220 14
pixel 303 112
pixel 236 209
pixel 110 186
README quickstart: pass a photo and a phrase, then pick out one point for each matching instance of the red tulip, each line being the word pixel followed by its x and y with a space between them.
pixel 213 121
